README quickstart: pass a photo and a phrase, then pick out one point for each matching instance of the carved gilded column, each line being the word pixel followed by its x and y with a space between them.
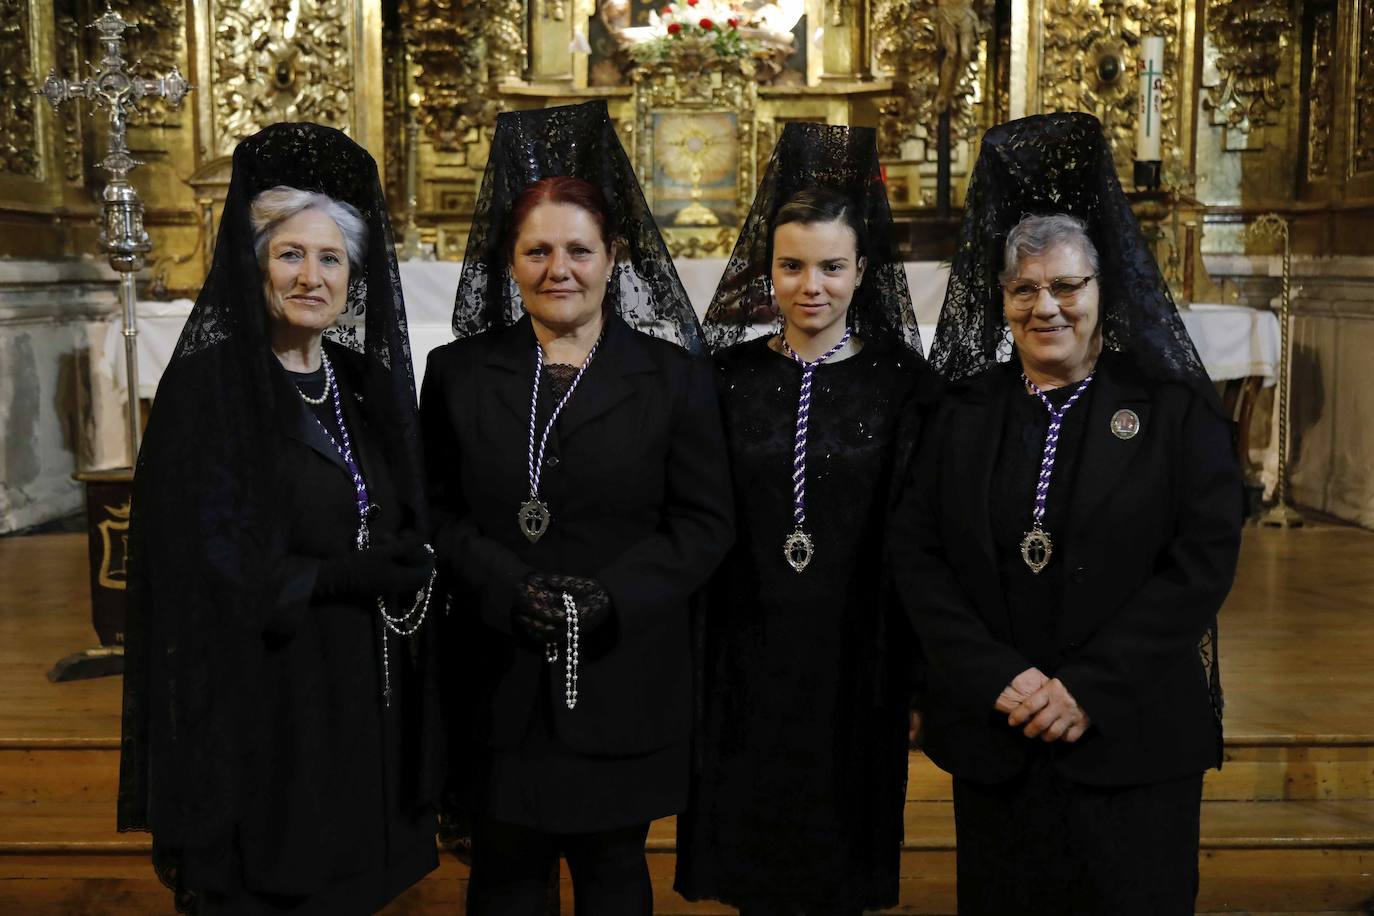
pixel 551 34
pixel 1361 94
pixel 844 55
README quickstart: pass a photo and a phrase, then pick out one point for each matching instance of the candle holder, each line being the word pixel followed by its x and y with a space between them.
pixel 1282 514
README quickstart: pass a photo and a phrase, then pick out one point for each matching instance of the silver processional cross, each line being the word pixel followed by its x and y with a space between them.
pixel 122 233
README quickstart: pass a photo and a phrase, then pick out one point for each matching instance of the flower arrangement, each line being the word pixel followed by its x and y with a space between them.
pixel 695 27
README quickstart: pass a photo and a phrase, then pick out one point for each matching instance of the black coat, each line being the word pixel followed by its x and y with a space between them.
pixel 1150 550
pixel 637 480
pixel 342 787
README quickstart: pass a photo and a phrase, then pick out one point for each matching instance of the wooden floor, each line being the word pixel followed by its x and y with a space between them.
pixel 1288 824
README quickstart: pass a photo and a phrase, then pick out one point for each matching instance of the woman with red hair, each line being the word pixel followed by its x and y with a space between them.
pixel 581 495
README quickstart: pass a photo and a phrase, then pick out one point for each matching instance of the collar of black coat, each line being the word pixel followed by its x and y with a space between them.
pixel 623 352
pixel 979 406
pixel 1116 369
pixel 295 418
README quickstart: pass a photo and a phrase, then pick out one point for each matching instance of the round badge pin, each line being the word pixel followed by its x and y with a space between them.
pixel 1125 424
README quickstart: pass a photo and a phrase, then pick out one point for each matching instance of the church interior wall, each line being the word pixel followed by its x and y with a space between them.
pixel 54 400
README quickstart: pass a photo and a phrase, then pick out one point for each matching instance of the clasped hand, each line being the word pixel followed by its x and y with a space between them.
pixel 1042 707
pixel 540 611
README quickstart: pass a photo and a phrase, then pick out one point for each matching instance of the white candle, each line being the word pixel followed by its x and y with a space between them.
pixel 1150 101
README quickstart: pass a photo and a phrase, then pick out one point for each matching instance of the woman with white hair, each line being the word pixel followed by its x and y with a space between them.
pixel 276 738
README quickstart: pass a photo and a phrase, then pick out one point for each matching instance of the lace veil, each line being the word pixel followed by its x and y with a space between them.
pixel 578 141
pixel 1059 163
pixel 843 159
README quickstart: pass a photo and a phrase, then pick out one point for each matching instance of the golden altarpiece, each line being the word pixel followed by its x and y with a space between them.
pixel 1268 104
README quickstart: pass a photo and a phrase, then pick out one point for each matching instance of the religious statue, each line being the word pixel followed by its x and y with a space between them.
pixel 956 30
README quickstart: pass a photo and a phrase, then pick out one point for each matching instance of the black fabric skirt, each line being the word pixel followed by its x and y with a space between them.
pixel 558 791
pixel 1042 846
pixel 414 856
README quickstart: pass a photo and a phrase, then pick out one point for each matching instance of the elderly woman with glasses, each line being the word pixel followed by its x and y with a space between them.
pixel 1066 536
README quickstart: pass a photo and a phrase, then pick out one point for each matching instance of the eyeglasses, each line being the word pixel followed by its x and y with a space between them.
pixel 1063 290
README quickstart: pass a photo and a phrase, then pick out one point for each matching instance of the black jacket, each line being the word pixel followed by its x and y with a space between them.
pixel 1150 548
pixel 342 788
pixel 636 478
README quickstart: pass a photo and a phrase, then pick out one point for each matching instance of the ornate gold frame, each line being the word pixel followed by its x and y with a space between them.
pixel 721 87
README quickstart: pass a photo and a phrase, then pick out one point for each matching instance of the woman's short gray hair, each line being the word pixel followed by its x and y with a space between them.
pixel 274 206
pixel 1035 235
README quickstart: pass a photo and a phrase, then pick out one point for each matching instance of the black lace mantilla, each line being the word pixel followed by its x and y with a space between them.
pixel 205 533
pixel 578 141
pixel 843 159
pixel 1059 163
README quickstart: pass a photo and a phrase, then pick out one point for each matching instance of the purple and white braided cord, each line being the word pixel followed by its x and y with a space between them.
pixel 1042 486
pixel 537 460
pixel 345 451
pixel 803 420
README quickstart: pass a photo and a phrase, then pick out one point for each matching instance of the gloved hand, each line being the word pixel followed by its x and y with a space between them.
pixel 592 600
pixel 536 610
pixel 389 567
pixel 542 615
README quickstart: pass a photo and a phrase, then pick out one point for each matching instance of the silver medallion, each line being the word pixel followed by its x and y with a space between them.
pixel 534 519
pixel 1125 424
pixel 798 549
pixel 1036 549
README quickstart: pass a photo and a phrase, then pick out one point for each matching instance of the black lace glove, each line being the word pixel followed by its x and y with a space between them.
pixel 542 615
pixel 400 566
pixel 592 600
pixel 538 610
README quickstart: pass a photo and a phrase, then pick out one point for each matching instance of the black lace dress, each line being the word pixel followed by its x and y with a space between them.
pixel 802 758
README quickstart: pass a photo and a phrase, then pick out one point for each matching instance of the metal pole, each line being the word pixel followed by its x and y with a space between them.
pixel 128 297
pixel 1282 514
pixel 122 233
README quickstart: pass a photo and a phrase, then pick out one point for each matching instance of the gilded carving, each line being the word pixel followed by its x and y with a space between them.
pixel 504 32
pixel 1321 94
pixel 70 57
pixel 157 43
pixel 933 49
pixel 280 60
pixel 461 49
pixel 1362 132
pixel 18 110
pixel 1088 64
pixel 1251 37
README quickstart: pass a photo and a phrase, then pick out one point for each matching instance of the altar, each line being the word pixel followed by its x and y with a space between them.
pixel 1235 342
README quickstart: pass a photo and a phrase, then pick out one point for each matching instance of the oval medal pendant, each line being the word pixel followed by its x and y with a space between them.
pixel 1036 549
pixel 798 549
pixel 533 518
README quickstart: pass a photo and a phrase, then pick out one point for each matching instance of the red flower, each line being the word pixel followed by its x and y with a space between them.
pixel 707 24
pixel 691 2
pixel 668 10
pixel 674 28
pixel 732 23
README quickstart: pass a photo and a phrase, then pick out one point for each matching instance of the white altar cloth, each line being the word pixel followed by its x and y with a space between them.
pixel 1233 341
